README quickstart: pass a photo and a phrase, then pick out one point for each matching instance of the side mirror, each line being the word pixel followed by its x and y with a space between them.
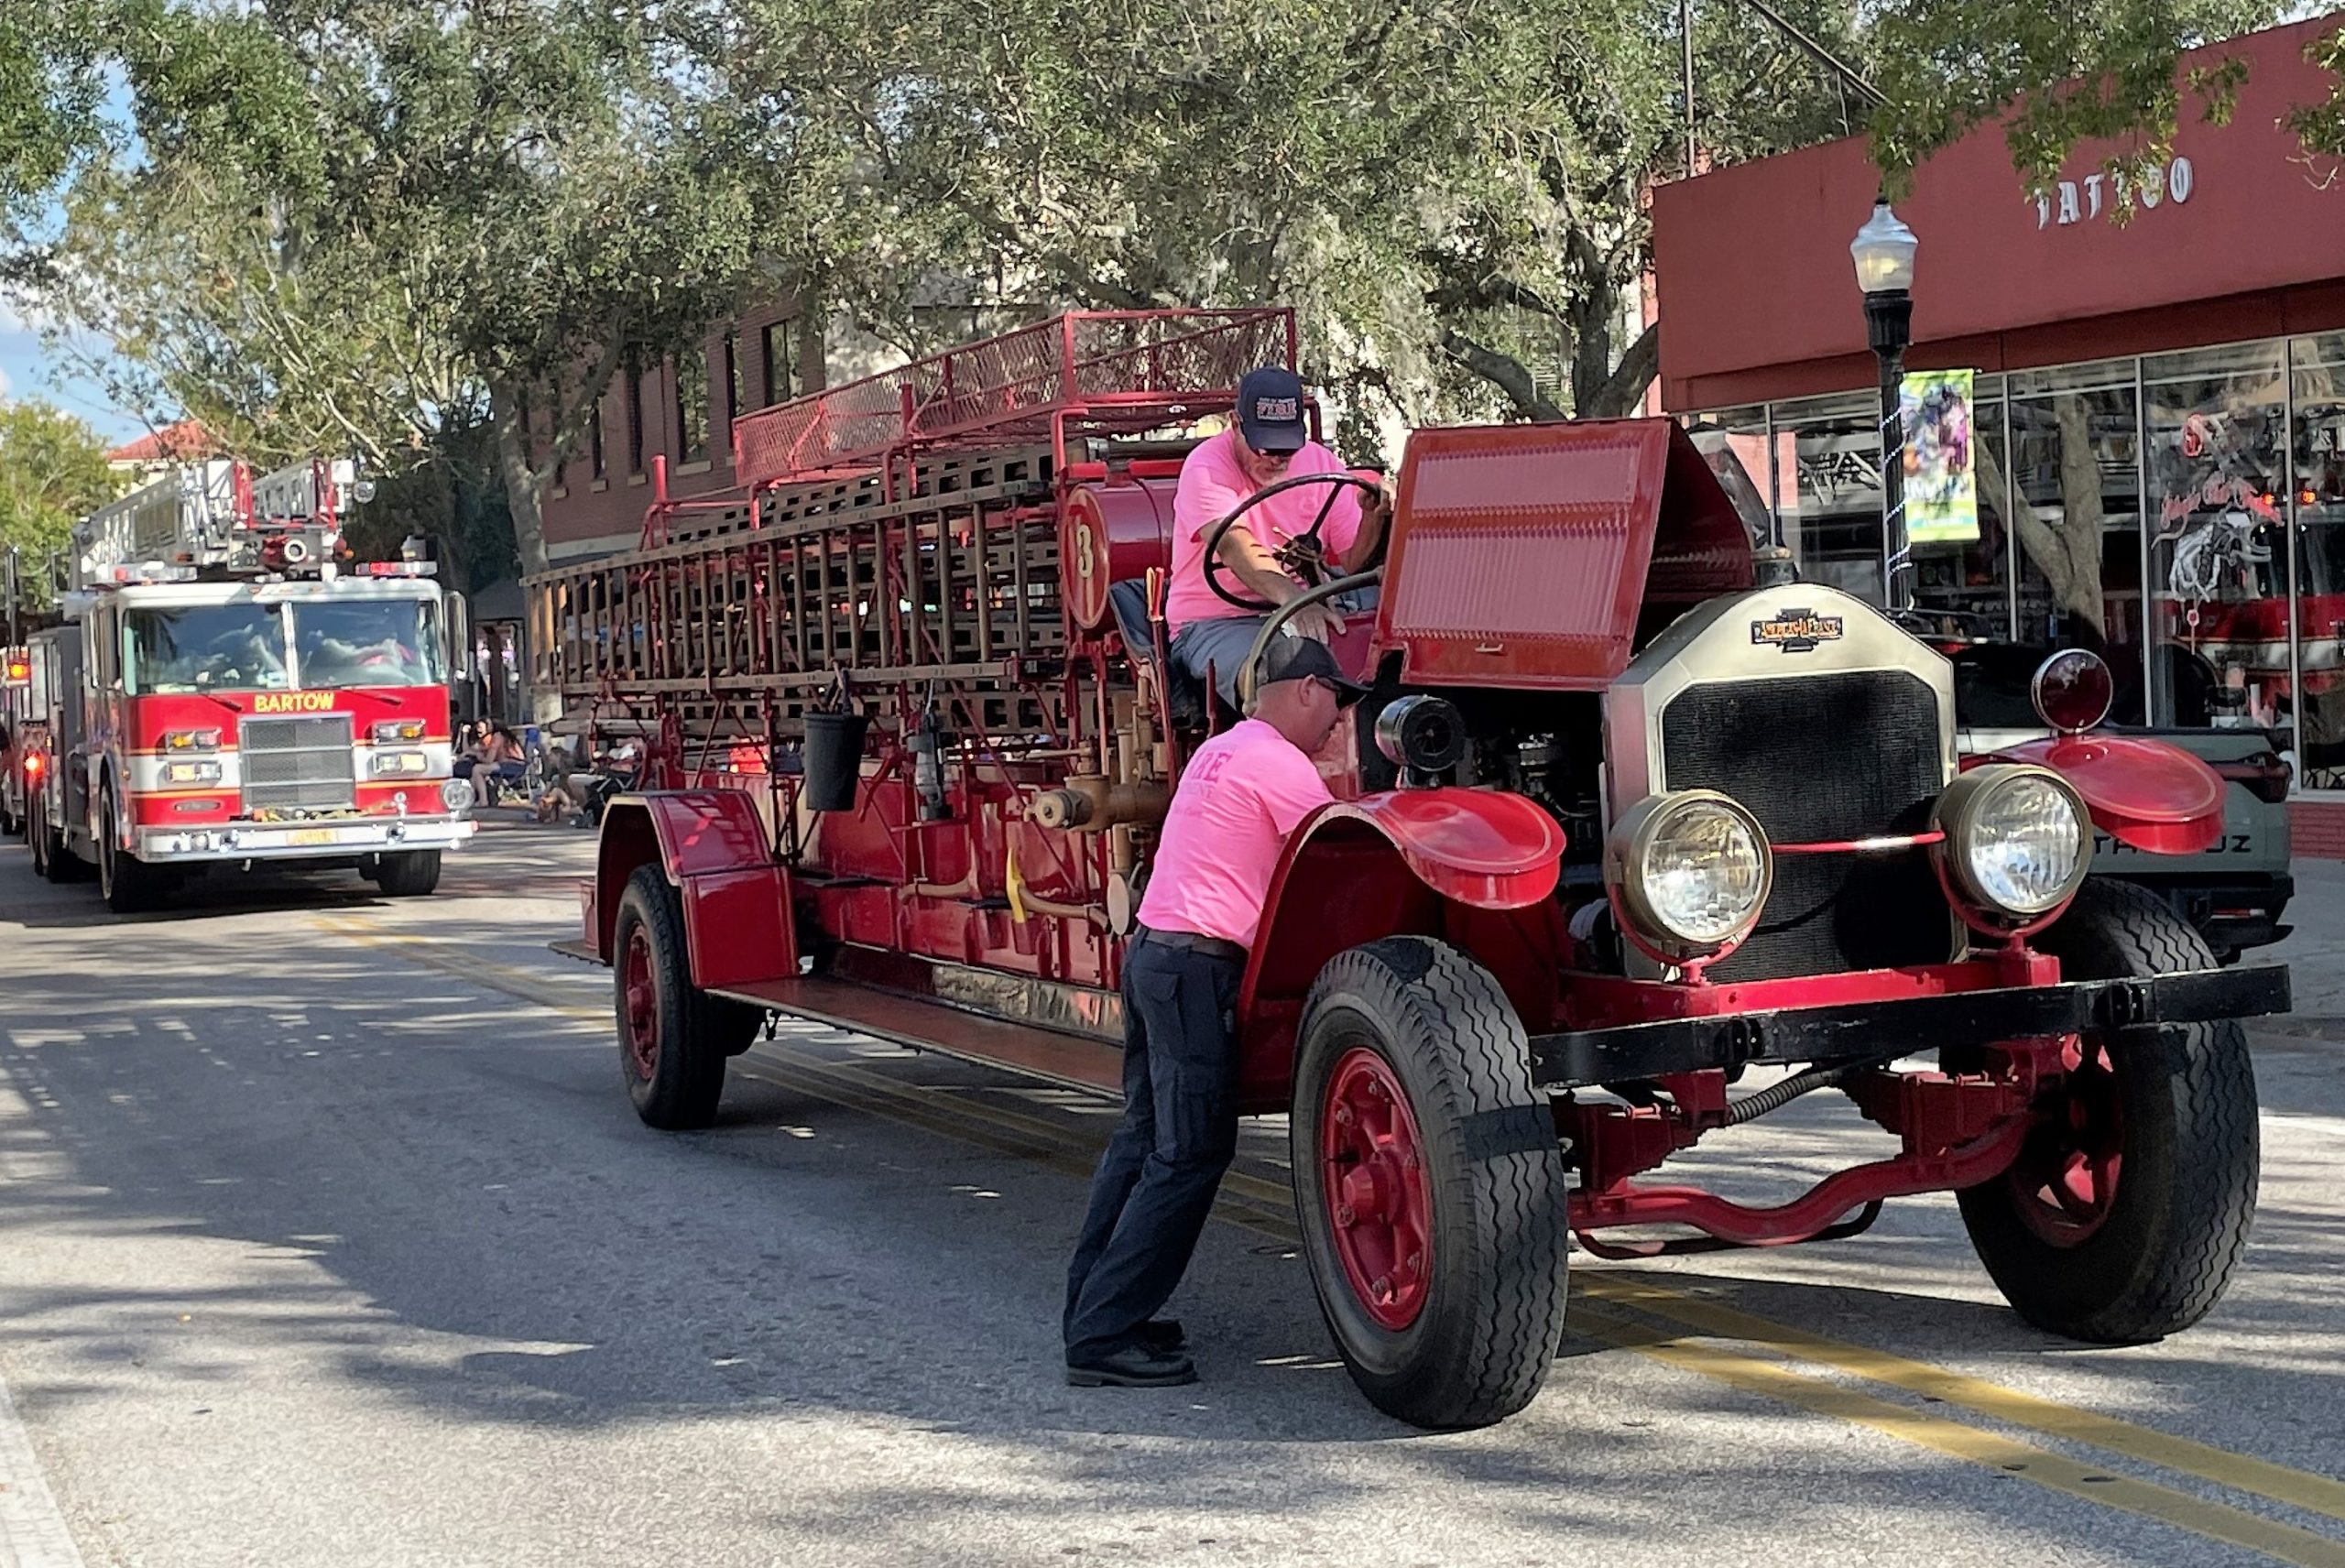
pixel 460 654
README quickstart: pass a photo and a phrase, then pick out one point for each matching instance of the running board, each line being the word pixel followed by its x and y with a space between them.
pixel 1073 1061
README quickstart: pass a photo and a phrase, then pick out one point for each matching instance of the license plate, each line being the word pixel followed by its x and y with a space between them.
pixel 312 835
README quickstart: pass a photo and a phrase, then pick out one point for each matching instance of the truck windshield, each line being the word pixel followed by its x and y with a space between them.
pixel 203 648
pixel 368 642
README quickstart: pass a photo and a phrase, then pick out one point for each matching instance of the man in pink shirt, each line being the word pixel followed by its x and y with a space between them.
pixel 1270 441
pixel 1241 795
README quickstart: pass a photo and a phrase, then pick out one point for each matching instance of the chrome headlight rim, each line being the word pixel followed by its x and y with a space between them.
pixel 458 795
pixel 1957 815
pixel 1626 850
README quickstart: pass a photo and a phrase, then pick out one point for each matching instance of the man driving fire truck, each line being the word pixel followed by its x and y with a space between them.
pixel 1240 796
pixel 1270 441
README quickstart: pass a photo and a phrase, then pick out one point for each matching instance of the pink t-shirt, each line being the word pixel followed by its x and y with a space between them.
pixel 1211 484
pixel 1240 795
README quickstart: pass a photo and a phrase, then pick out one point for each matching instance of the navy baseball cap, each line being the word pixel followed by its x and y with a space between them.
pixel 1292 657
pixel 1269 410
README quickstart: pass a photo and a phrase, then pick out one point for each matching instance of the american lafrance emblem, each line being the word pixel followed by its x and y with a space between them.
pixel 1796 631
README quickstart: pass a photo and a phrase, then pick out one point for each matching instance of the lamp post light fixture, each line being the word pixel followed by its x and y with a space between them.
pixel 1883 250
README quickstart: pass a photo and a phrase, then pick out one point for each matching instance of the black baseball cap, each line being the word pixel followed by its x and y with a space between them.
pixel 1269 410
pixel 1291 657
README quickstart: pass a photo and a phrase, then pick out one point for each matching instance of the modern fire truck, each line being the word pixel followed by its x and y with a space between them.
pixel 15 706
pixel 1637 839
pixel 229 687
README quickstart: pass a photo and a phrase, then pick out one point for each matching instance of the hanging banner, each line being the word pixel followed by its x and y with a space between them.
pixel 1941 486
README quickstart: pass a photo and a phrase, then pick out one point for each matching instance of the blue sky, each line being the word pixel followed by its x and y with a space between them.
pixel 29 371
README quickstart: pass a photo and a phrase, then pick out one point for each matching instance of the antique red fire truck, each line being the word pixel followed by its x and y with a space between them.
pixel 1631 816
pixel 228 689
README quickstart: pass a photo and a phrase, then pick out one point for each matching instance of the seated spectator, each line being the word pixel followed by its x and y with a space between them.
pixel 495 765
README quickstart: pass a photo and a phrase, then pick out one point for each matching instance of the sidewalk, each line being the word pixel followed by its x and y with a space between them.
pixel 2315 953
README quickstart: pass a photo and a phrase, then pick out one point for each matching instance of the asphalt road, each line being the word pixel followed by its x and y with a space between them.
pixel 327 1237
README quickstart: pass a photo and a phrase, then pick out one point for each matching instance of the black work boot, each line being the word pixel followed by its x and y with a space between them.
pixel 1134 1367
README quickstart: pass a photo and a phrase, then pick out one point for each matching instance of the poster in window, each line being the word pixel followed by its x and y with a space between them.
pixel 1941 485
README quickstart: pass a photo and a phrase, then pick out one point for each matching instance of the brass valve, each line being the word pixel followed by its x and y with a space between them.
pixel 1088 803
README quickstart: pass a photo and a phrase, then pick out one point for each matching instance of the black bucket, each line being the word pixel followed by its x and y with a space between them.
pixel 833 760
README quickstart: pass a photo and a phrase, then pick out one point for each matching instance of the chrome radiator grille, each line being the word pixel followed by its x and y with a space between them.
pixel 303 764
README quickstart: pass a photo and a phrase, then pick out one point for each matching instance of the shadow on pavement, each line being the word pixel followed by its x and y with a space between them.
pixel 440 1193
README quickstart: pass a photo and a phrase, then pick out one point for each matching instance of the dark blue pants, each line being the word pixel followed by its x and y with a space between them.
pixel 1155 1185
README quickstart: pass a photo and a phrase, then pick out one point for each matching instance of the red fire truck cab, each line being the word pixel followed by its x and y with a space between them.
pixel 227 689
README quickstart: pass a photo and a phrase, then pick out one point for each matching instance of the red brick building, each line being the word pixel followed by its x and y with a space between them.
pixel 680 408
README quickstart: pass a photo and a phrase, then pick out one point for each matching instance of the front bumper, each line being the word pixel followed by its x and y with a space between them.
pixel 1856 1032
pixel 301 841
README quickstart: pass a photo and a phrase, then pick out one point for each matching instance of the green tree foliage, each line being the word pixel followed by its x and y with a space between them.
pixel 2322 125
pixel 52 93
pixel 2100 73
pixel 1454 194
pixel 52 473
pixel 369 226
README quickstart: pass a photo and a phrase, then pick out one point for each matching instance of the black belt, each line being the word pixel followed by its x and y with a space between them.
pixel 1193 941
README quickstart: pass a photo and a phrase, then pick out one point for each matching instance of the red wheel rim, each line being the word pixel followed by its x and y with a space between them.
pixel 639 1005
pixel 1379 1198
pixel 2067 1174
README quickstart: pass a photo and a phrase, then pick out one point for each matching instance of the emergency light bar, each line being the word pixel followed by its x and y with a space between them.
pixel 397 569
pixel 144 572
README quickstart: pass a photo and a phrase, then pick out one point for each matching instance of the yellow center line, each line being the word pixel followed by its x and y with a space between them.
pixel 2216 1521
pixel 2298 1488
pixel 1064 1149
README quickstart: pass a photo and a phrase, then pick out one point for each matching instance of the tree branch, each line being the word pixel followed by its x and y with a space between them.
pixel 1505 371
pixel 1625 387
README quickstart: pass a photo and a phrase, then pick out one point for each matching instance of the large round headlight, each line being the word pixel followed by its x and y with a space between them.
pixel 1691 871
pixel 456 794
pixel 2017 842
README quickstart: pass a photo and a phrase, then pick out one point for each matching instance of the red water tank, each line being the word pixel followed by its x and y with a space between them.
pixel 1112 530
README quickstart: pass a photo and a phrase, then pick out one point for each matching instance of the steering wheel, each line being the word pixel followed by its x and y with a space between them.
pixel 1304 555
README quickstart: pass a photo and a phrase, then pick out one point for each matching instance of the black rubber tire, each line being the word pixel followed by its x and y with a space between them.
pixel 128 885
pixel 2186 1184
pixel 50 858
pixel 1493 1315
pixel 409 873
pixel 698 1033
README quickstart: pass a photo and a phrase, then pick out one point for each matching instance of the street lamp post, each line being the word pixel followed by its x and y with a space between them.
pixel 1883 250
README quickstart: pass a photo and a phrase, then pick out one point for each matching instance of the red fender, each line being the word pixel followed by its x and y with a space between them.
pixel 735 896
pixel 1381 865
pixel 1481 848
pixel 2146 793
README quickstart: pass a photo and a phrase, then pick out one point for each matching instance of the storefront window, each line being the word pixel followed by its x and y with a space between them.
pixel 2318 713
pixel 2214 471
pixel 1831 512
pixel 2076 491
pixel 2219 563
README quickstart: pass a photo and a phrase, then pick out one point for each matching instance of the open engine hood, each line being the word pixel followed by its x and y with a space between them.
pixel 1543 556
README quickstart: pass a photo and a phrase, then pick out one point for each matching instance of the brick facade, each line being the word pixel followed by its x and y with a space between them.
pixel 588 514
pixel 2317 829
